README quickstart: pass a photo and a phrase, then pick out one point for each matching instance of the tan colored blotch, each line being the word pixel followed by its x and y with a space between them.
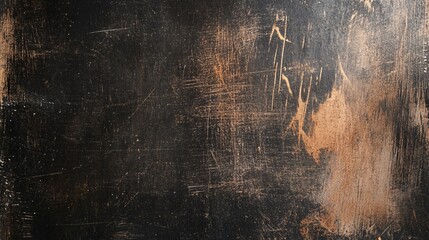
pixel 358 138
pixel 355 127
pixel 330 122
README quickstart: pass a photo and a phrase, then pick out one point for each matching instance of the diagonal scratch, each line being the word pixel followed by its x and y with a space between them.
pixel 108 30
pixel 139 106
pixel 135 195
pixel 46 175
pixel 214 158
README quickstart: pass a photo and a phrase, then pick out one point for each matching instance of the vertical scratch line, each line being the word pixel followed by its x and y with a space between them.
pixel 286 102
pixel 308 94
pixel 283 51
pixel 275 55
pixel 274 87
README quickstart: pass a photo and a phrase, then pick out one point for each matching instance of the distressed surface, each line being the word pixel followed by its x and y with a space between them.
pixel 214 119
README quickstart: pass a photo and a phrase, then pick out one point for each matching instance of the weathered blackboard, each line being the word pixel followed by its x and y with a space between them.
pixel 204 119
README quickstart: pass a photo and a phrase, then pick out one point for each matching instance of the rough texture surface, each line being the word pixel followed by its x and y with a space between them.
pixel 185 119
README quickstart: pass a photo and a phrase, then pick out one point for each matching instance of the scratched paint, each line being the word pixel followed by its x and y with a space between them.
pixel 214 119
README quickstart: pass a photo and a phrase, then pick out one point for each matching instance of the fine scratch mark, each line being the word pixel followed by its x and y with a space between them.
pixel 275 55
pixel 385 230
pixel 257 72
pixel 46 175
pixel 139 106
pixel 282 56
pixel 81 224
pixel 320 74
pixel 274 87
pixel 135 195
pixel 108 30
pixel 214 158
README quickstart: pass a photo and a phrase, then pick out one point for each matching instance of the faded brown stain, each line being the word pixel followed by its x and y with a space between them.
pixel 6 40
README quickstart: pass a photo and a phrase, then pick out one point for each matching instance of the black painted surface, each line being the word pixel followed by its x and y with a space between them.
pixel 102 141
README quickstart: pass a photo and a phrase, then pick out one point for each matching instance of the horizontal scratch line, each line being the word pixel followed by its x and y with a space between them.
pixel 81 224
